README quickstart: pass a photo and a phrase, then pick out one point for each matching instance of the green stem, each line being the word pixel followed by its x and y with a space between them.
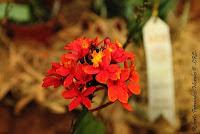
pixel 77 120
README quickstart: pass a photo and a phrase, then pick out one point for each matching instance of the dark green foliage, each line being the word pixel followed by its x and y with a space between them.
pixel 39 10
pixel 87 124
pixel 135 13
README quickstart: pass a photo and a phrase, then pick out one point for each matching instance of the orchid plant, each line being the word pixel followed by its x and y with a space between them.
pixel 90 65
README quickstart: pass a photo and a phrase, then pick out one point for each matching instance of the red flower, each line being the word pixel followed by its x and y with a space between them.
pixel 117 90
pixel 52 79
pixel 79 97
pixel 54 67
pixel 79 48
pixel 81 76
pixel 67 71
pixel 102 67
pixel 88 66
pixel 60 74
pixel 117 52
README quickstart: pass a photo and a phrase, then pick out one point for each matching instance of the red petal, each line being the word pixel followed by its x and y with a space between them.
pixel 126 64
pixel 80 74
pixel 113 68
pixel 51 71
pixel 135 77
pixel 74 45
pixel 125 73
pixel 64 59
pixel 129 55
pixel 122 95
pixel 71 56
pixel 106 59
pixel 86 102
pixel 112 96
pixel 62 71
pixel 119 55
pixel 89 69
pixel 114 71
pixel 51 81
pixel 74 103
pixel 134 87
pixel 117 91
pixel 95 41
pixel 55 65
pixel 84 52
pixel 68 81
pixel 89 91
pixel 127 106
pixel 69 94
pixel 102 76
pixel 107 40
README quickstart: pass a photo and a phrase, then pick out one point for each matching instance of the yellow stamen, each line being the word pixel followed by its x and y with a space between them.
pixel 118 74
pixel 118 44
pixel 85 44
pixel 97 58
pixel 67 63
pixel 110 49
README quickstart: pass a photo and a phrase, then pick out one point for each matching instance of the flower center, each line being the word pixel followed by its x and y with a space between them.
pixel 118 44
pixel 110 49
pixel 118 74
pixel 97 58
pixel 85 44
pixel 67 63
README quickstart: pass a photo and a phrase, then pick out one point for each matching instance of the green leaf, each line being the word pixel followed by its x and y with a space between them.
pixel 165 7
pixel 16 12
pixel 87 124
pixel 39 11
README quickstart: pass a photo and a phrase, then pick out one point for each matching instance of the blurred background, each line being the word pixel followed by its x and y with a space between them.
pixel 33 34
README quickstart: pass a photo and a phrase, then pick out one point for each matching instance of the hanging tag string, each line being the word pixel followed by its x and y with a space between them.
pixel 155 8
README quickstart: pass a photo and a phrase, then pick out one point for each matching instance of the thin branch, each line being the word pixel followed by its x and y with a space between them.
pixel 56 7
pixel 128 40
pixel 4 39
pixel 101 107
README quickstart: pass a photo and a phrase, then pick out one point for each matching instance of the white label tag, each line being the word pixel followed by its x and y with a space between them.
pixel 159 70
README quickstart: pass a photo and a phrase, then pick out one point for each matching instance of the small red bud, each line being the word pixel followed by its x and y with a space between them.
pixel 106 40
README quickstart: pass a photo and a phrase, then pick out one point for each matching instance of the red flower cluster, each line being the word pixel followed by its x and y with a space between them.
pixel 90 65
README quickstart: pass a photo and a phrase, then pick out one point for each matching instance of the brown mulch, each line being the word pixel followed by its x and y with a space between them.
pixel 34 120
